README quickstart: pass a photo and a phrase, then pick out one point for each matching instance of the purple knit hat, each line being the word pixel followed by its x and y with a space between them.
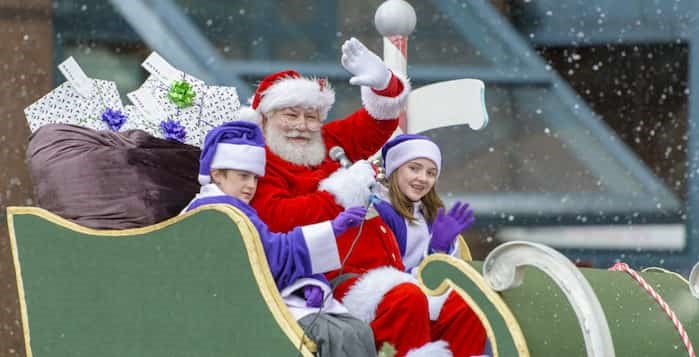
pixel 406 147
pixel 235 145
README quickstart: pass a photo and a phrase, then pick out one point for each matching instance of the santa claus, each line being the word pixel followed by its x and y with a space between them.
pixel 303 185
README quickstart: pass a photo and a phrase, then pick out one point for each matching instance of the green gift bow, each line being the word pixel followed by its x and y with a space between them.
pixel 181 93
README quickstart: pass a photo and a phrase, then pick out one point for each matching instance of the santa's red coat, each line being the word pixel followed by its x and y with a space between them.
pixel 288 196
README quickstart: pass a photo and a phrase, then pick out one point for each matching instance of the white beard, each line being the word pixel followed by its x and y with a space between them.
pixel 310 154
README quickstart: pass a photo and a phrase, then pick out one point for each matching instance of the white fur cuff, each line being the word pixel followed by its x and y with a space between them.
pixel 364 296
pixel 350 187
pixel 433 349
pixel 385 108
pixel 322 247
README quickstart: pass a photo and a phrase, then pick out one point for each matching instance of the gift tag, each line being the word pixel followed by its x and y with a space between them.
pixel 159 67
pixel 77 77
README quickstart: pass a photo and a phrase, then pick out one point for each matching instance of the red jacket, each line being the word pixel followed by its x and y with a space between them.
pixel 287 196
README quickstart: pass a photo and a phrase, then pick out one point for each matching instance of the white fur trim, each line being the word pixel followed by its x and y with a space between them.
pixel 297 304
pixel 410 150
pixel 384 108
pixel 239 157
pixel 248 114
pixel 433 349
pixel 300 283
pixel 352 186
pixel 368 291
pixel 322 247
pixel 291 92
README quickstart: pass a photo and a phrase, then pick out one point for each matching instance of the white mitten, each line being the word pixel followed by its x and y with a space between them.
pixel 366 67
pixel 350 186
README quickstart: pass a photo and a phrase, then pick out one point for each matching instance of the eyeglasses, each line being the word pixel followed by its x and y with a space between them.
pixel 298 120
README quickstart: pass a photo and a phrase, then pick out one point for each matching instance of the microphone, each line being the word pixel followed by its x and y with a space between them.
pixel 337 153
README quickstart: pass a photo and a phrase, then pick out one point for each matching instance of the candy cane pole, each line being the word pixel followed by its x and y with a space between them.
pixel 395 20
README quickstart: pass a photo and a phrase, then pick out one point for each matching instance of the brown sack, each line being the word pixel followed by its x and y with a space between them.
pixel 108 180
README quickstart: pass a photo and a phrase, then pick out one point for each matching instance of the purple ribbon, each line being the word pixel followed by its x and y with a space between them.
pixel 173 130
pixel 114 118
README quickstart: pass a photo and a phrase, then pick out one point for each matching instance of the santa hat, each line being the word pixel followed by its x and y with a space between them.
pixel 235 145
pixel 406 147
pixel 288 89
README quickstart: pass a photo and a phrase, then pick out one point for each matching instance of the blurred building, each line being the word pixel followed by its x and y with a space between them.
pixel 592 145
pixel 588 100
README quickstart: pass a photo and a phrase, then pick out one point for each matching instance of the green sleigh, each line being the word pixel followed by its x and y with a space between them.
pixel 198 285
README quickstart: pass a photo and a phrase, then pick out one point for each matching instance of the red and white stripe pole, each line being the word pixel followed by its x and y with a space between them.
pixel 395 20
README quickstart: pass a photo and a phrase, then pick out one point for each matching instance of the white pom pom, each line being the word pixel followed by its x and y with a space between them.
pixel 248 114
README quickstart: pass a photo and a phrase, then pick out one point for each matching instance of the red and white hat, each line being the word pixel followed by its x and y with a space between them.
pixel 288 89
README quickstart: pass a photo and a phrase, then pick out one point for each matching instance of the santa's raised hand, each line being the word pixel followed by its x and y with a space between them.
pixel 367 68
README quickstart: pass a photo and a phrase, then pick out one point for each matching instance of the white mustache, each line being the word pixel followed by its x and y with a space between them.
pixel 297 134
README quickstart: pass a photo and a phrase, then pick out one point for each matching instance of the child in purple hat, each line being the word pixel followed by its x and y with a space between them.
pixel 421 226
pixel 232 160
pixel 413 164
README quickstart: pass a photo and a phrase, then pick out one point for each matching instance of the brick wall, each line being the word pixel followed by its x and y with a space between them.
pixel 26 65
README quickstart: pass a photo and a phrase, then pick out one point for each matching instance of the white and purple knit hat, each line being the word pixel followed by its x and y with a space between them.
pixel 237 145
pixel 406 147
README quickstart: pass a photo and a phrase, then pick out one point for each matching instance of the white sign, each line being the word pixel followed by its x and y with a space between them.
pixel 449 103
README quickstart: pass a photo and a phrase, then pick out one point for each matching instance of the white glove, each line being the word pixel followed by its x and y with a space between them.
pixel 366 67
pixel 350 186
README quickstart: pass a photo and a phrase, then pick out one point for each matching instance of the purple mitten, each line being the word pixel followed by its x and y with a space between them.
pixel 446 227
pixel 313 295
pixel 347 219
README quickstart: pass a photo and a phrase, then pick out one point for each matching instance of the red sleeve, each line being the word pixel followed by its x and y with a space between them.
pixel 359 134
pixel 394 88
pixel 282 210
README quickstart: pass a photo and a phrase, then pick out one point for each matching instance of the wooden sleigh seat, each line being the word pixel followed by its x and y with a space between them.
pixel 194 285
